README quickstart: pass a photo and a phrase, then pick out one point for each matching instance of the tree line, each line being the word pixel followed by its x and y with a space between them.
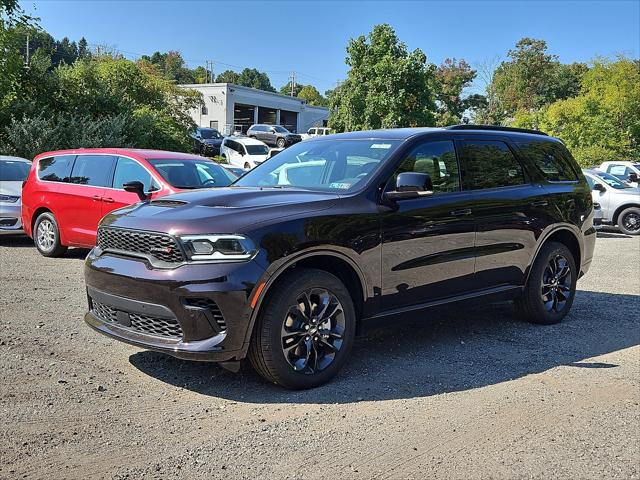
pixel 68 96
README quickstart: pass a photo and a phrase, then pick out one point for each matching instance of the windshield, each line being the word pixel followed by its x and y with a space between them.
pixel 13 171
pixel 327 165
pixel 257 149
pixel 613 181
pixel 208 133
pixel 190 174
pixel 280 129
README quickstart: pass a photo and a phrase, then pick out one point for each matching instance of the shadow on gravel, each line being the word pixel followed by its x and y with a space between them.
pixel 443 352
pixel 15 241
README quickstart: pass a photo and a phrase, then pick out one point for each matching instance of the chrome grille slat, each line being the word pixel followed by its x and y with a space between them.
pixel 158 245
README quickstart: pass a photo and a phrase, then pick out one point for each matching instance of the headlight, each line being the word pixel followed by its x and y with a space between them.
pixel 218 247
pixel 9 198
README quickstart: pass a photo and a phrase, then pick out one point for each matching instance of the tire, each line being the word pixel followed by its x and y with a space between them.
pixel 629 221
pixel 280 143
pixel 536 304
pixel 312 357
pixel 247 166
pixel 46 236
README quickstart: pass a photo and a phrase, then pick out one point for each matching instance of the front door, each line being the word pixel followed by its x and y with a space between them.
pixel 428 242
pixel 127 170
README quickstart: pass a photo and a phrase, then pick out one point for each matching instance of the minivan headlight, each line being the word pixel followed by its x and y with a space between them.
pixel 218 247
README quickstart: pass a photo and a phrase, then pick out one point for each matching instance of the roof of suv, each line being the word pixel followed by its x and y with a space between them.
pixel 246 140
pixel 138 152
pixel 405 133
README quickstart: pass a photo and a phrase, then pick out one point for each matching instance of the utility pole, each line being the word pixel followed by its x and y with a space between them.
pixel 293 84
pixel 211 62
pixel 26 56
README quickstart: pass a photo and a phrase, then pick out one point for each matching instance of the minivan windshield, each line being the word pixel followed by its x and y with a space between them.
pixel 188 174
pixel 208 133
pixel 13 171
pixel 324 165
pixel 612 181
pixel 257 149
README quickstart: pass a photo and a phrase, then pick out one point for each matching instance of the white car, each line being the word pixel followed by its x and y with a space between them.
pixel 244 152
pixel 626 171
pixel 13 171
pixel 316 132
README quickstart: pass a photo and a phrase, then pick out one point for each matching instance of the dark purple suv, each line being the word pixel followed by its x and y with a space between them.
pixel 282 266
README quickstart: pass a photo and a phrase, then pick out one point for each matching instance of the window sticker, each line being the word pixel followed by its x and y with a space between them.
pixel 384 146
pixel 341 186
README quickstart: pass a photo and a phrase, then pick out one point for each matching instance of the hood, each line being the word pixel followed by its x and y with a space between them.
pixel 11 188
pixel 212 141
pixel 221 210
pixel 628 191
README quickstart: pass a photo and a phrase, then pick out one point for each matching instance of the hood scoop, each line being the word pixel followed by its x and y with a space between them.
pixel 168 203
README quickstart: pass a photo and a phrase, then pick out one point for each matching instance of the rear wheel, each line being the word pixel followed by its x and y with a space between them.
pixel 280 143
pixel 629 221
pixel 548 295
pixel 305 331
pixel 46 236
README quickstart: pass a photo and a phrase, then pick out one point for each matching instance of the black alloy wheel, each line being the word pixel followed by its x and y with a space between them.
pixel 629 221
pixel 556 284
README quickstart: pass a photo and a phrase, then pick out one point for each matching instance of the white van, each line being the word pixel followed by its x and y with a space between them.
pixel 244 152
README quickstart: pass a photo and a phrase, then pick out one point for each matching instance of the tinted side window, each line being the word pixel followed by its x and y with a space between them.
pixel 93 170
pixel 55 169
pixel 489 164
pixel 438 159
pixel 552 160
pixel 590 181
pixel 128 170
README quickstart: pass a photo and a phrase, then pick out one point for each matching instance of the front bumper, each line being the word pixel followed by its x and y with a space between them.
pixel 10 218
pixel 194 312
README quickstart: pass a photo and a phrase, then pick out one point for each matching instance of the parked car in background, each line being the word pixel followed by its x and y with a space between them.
pixel 67 192
pixel 207 141
pixel 626 171
pixel 619 201
pixel 244 152
pixel 316 132
pixel 273 152
pixel 284 266
pixel 13 171
pixel 274 135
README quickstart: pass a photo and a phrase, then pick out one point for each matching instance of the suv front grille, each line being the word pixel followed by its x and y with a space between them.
pixel 162 327
pixel 158 245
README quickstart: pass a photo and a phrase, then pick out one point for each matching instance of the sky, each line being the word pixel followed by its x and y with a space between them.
pixel 310 37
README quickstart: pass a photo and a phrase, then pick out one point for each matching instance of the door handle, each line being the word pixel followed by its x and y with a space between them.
pixel 540 203
pixel 460 213
pixel 96 198
pixel 107 200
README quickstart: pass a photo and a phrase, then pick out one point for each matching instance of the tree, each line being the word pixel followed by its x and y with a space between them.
pixel 603 121
pixel 452 77
pixel 250 77
pixel 312 96
pixel 286 89
pixel 228 76
pixel 386 85
pixel 83 49
pixel 171 66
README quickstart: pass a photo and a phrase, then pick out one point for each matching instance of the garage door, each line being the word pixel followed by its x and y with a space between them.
pixel 242 117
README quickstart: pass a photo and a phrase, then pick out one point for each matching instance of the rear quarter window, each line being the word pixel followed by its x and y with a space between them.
pixel 553 160
pixel 55 169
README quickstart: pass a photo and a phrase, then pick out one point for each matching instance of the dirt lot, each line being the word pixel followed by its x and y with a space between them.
pixel 469 393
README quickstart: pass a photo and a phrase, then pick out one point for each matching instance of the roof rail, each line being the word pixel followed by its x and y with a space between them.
pixel 494 127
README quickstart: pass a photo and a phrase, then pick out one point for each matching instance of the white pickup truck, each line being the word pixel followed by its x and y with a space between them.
pixel 316 132
pixel 624 170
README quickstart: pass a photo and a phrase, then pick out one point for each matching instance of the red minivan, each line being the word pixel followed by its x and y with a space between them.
pixel 67 192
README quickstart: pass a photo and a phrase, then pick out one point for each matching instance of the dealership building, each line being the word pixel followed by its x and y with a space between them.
pixel 233 109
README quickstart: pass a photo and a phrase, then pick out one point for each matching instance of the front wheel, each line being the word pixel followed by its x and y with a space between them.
pixel 46 236
pixel 548 295
pixel 280 143
pixel 629 221
pixel 305 331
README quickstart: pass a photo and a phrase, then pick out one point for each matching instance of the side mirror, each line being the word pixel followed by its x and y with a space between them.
pixel 633 177
pixel 599 187
pixel 137 188
pixel 411 185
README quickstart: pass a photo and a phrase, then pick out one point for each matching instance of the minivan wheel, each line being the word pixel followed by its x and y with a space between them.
pixel 46 236
pixel 629 221
pixel 247 166
pixel 548 295
pixel 280 143
pixel 305 331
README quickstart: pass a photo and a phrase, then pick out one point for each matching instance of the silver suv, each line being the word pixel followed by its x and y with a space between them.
pixel 274 135
pixel 619 201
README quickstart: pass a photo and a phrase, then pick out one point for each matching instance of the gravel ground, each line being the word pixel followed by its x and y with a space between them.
pixel 467 393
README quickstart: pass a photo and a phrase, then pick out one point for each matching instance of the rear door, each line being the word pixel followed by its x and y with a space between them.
pixel 90 176
pixel 509 210
pixel 127 170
